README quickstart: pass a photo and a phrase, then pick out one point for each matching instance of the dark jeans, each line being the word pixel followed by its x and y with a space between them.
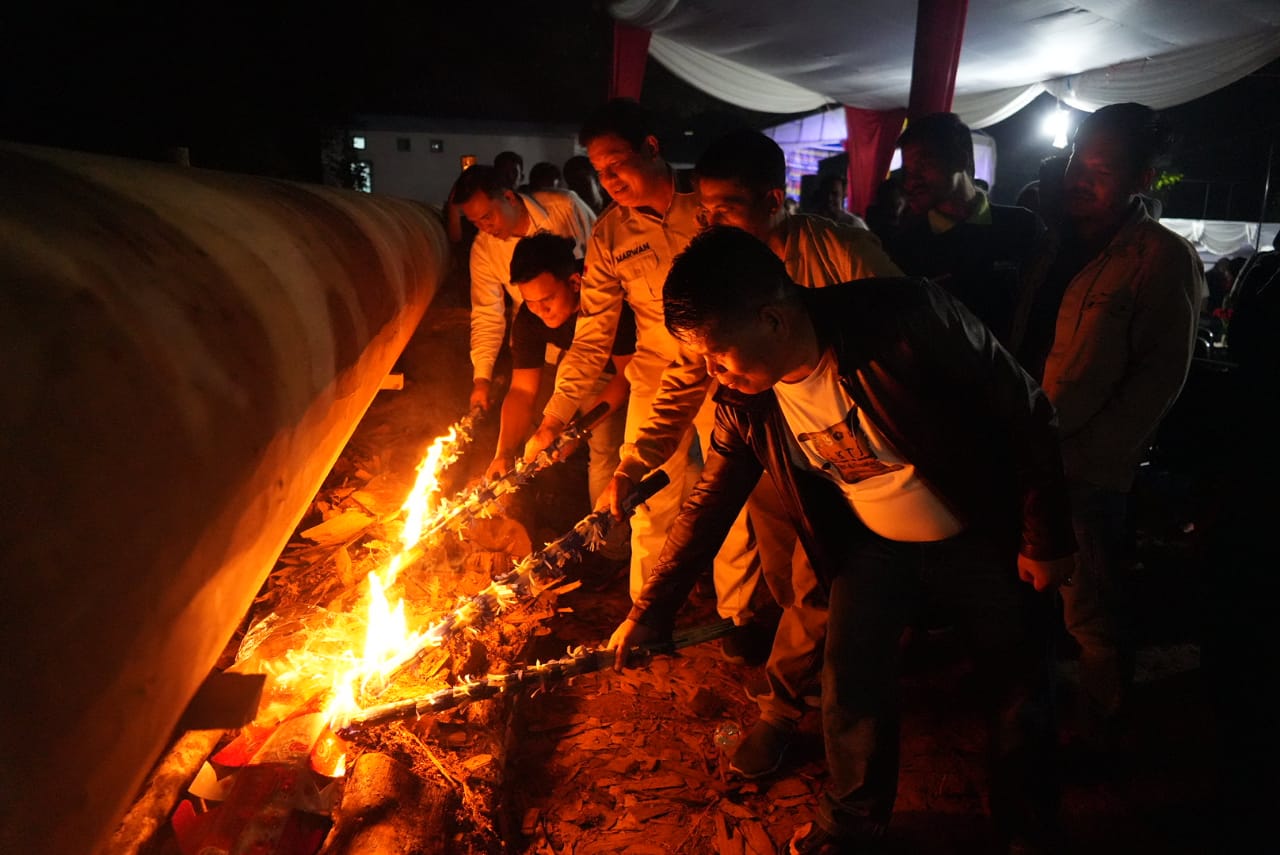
pixel 1006 626
pixel 1095 605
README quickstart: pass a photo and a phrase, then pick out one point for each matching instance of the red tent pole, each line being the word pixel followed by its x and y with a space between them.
pixel 939 32
pixel 630 52
pixel 870 136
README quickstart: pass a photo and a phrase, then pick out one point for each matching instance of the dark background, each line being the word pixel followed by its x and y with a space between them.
pixel 254 89
pixel 1220 148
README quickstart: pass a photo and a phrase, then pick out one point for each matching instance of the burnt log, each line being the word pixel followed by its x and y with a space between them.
pixel 387 810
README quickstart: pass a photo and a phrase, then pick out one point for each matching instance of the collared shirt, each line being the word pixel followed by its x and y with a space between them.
pixel 980 216
pixel 628 257
pixel 558 211
pixel 816 252
pixel 1121 346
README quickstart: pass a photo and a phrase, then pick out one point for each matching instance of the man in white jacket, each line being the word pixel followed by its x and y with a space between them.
pixel 503 216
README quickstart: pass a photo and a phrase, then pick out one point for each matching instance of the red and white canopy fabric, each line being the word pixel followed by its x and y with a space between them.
pixel 786 57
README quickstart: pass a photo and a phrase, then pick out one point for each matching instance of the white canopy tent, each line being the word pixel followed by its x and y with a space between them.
pixel 1214 239
pixel 798 56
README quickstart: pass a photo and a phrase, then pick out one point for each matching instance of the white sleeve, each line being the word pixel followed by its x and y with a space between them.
pixel 600 307
pixel 488 311
pixel 581 220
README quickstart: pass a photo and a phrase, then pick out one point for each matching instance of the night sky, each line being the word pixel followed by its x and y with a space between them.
pixel 253 89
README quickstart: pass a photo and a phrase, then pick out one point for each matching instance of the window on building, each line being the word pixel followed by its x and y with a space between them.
pixel 362 175
pixel 357 143
pixel 403 144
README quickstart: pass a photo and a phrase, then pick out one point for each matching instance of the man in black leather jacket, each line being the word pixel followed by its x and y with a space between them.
pixel 920 465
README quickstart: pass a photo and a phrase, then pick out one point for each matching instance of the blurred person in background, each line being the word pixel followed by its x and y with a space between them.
pixel 951 232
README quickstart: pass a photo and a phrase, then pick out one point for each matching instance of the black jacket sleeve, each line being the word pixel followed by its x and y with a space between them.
pixel 728 477
pixel 1015 406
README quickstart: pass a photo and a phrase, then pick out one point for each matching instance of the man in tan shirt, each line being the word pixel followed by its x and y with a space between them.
pixel 741 183
pixel 1108 329
pixel 653 217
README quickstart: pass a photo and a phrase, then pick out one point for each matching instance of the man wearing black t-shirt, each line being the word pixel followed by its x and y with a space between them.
pixel 544 269
pixel 951 232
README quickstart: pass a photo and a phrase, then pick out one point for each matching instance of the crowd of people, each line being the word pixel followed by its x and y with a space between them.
pixel 946 410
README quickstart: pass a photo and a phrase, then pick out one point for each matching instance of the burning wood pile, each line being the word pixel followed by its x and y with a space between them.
pixel 383 623
pixel 368 605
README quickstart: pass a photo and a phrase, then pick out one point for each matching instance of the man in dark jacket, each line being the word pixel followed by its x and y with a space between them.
pixel 919 464
pixel 951 232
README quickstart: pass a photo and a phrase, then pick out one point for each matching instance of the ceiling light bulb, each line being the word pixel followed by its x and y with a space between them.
pixel 1055 125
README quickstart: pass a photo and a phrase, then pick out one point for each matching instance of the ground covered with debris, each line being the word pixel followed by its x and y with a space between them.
pixel 631 763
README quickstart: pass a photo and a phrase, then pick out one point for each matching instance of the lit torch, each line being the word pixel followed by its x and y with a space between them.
pixel 538 572
pixel 537 676
pixel 479 502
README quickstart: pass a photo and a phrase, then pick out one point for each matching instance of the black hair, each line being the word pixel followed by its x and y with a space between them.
pixel 578 167
pixel 1146 136
pixel 944 136
pixel 746 156
pixel 543 175
pixel 621 117
pixel 540 253
pixel 505 156
pixel 722 279
pixel 478 179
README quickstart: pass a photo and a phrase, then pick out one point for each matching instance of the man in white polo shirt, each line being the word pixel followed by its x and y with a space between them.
pixel 503 216
pixel 653 216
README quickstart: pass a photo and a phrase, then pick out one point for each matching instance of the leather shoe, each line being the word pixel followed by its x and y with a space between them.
pixel 813 839
pixel 762 751
pixel 747 644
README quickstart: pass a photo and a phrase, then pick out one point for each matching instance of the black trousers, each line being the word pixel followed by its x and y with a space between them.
pixel 973 582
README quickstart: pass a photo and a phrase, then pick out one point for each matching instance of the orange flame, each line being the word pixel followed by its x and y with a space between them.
pixel 442 453
pixel 389 643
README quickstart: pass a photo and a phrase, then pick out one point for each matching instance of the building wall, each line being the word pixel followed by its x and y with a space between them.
pixel 427 176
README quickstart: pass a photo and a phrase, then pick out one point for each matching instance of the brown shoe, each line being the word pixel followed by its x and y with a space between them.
pixel 761 753
pixel 747 644
pixel 813 839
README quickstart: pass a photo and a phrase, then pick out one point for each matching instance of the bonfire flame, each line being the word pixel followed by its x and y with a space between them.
pixel 389 643
pixel 356 677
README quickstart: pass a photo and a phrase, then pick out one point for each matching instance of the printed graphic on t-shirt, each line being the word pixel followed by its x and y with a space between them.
pixel 845 447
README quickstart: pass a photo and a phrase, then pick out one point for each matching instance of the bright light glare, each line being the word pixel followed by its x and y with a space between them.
pixel 1055 125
